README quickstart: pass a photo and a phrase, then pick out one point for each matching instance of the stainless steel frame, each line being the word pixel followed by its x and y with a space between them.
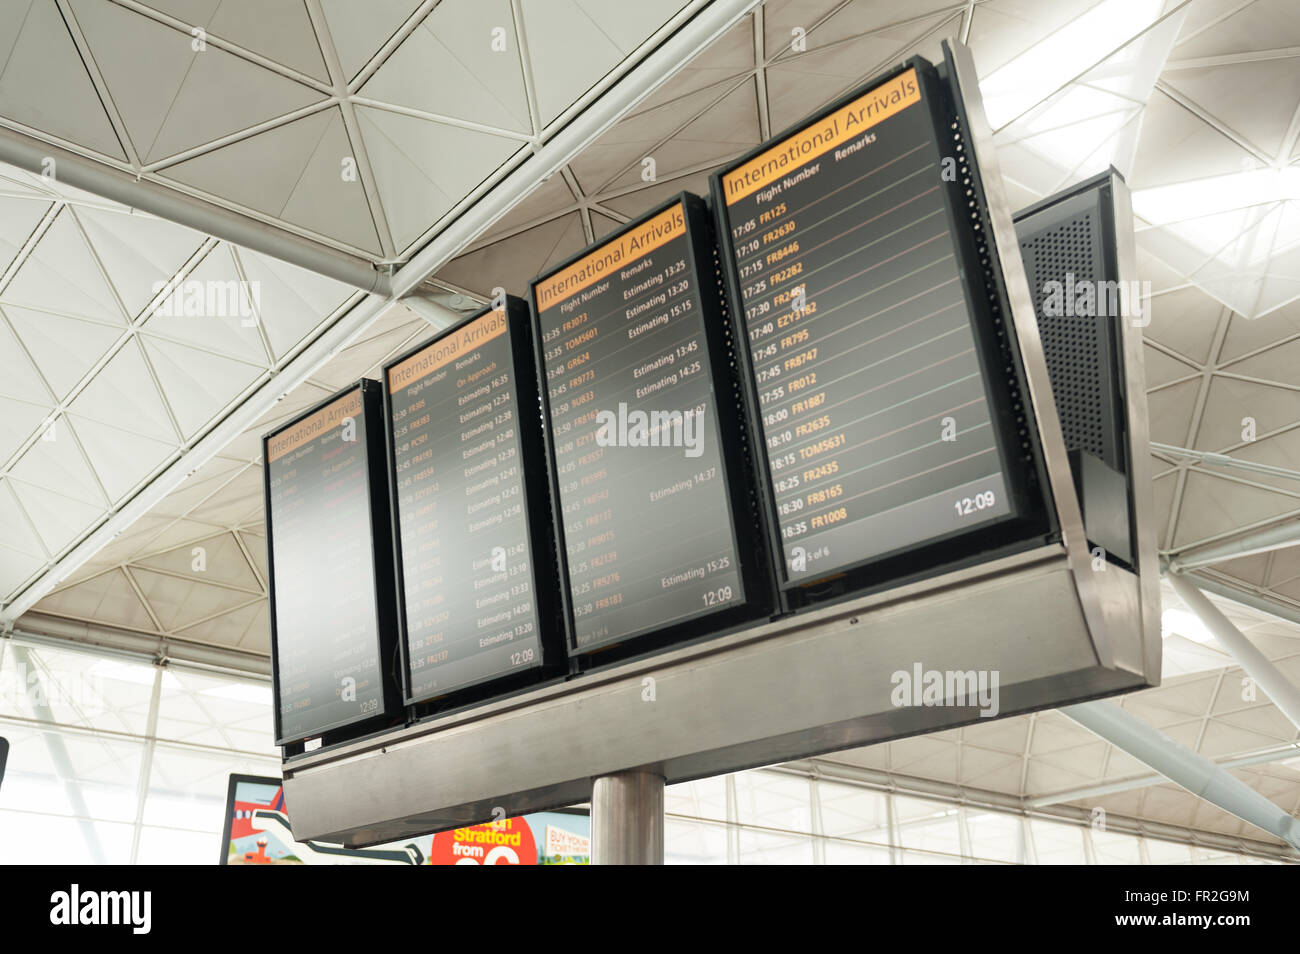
pixel 1053 629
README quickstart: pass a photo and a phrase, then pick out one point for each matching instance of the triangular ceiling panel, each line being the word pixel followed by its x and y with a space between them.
pixel 18 422
pixel 239 627
pixel 447 67
pixel 20 380
pixel 1231 402
pixel 121 458
pixel 19 535
pixel 279 31
pixel 329 202
pixel 1184 321
pixel 634 204
pixel 301 172
pixel 1230 93
pixel 193 490
pixel 233 503
pixel 1176 146
pixel 549 198
pixel 1246 336
pixel 195 96
pixel 220 561
pixel 423 167
pixel 57 466
pixel 801 82
pixel 179 603
pixel 255 544
pixel 16 568
pixel 18 219
pixel 40 56
pixel 554 31
pixel 107 598
pixel 59 520
pixel 1171 410
pixel 61 274
pixel 1239 27
pixel 63 348
pixel 634 139
pixel 292 300
pixel 360 32
pixel 1211 507
pixel 513 262
pixel 123 394
pixel 198 384
pixel 120 40
pixel 728 128
pixel 138 252
pixel 231 327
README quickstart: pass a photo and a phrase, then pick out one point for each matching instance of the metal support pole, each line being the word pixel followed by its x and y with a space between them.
pixel 627 819
pixel 1268 677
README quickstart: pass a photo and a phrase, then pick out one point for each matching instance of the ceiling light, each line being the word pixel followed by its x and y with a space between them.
pixel 1048 65
pixel 1198 198
pixel 1176 622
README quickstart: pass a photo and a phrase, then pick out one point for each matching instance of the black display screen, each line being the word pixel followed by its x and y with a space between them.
pixel 320 518
pixel 875 411
pixel 645 514
pixel 465 554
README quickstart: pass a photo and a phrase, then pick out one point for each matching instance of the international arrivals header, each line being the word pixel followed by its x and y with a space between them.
pixel 445 350
pixel 844 124
pixel 309 428
pixel 623 250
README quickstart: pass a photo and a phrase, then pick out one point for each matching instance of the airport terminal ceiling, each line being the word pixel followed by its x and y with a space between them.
pixel 361 140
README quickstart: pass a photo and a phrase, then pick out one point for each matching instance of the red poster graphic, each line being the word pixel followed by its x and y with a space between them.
pixel 508 842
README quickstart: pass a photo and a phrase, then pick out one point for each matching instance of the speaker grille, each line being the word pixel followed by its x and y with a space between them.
pixel 1077 348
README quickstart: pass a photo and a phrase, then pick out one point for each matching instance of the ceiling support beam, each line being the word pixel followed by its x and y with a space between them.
pixel 1282 754
pixel 1183 767
pixel 156 198
pixel 1246 598
pixel 40 629
pixel 1223 460
pixel 1276 537
pixel 1257 666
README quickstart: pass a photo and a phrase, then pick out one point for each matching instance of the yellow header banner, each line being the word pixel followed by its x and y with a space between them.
pixel 591 268
pixel 326 419
pixel 445 350
pixel 826 133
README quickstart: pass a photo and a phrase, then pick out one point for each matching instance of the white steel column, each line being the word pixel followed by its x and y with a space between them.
pixel 1193 772
pixel 1268 677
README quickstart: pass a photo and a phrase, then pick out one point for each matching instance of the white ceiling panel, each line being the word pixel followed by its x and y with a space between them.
pixel 40 54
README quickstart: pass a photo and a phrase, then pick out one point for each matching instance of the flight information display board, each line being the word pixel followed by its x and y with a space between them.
pixel 631 340
pixel 465 446
pixel 330 564
pixel 866 360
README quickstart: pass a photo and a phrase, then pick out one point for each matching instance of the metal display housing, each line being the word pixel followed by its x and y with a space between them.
pixel 1052 627
pixel 381 557
pixel 748 537
pixel 541 546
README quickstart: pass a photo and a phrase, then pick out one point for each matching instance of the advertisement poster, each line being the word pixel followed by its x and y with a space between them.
pixel 257 833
